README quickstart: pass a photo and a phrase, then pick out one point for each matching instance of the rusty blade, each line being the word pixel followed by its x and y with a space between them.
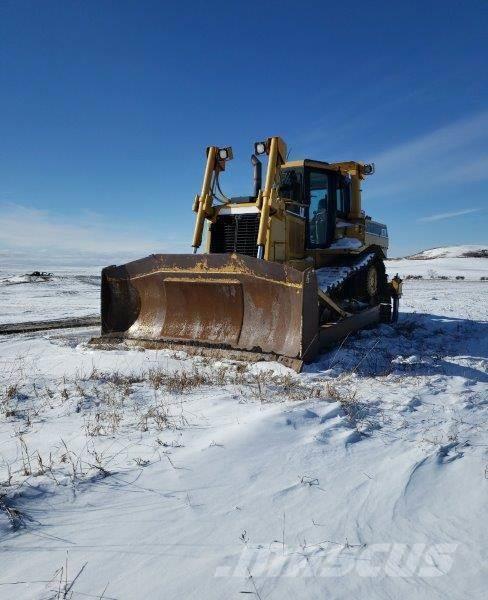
pixel 221 300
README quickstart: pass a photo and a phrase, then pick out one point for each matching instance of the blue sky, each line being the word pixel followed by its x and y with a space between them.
pixel 106 108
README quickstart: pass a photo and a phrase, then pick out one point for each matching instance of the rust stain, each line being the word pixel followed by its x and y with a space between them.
pixel 236 301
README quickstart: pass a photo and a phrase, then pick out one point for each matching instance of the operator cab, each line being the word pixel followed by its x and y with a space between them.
pixel 319 195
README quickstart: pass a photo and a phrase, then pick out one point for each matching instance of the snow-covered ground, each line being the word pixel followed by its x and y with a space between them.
pixel 76 292
pixel 450 261
pixel 144 474
pixel 68 293
pixel 464 251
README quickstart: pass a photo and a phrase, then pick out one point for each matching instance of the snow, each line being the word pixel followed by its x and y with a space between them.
pixel 330 277
pixel 347 242
pixel 448 261
pixel 152 475
pixel 70 292
pixel 463 251
pixel 471 269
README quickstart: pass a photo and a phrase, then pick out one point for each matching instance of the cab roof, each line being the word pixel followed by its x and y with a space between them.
pixel 319 164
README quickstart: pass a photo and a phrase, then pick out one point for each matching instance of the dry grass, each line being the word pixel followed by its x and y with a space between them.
pixel 108 401
pixel 118 406
pixel 15 516
pixel 179 382
pixel 357 410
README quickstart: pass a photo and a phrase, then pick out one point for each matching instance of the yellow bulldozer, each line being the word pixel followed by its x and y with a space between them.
pixel 287 271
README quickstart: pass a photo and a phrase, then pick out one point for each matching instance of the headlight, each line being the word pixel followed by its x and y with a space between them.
pixel 225 153
pixel 260 148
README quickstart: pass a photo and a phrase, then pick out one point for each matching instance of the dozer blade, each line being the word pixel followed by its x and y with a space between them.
pixel 213 301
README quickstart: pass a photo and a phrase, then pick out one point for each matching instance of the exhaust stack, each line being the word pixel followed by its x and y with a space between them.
pixel 257 174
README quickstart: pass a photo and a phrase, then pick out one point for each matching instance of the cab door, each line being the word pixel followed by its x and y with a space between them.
pixel 320 198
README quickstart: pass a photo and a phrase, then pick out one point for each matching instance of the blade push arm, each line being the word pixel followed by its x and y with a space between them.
pixel 216 159
pixel 276 150
pixel 203 203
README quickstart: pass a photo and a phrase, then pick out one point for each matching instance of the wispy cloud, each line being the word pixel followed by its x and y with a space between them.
pixel 439 142
pixel 26 231
pixel 448 215
pixel 448 155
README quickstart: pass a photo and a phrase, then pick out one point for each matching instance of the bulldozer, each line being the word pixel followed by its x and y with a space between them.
pixel 292 269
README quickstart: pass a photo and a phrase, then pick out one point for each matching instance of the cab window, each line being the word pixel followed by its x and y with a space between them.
pixel 318 209
pixel 291 186
pixel 343 197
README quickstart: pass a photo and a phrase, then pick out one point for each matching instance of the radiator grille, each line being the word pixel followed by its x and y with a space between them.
pixel 235 233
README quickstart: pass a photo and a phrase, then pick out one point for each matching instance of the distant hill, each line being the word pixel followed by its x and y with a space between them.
pixel 464 251
pixel 463 262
